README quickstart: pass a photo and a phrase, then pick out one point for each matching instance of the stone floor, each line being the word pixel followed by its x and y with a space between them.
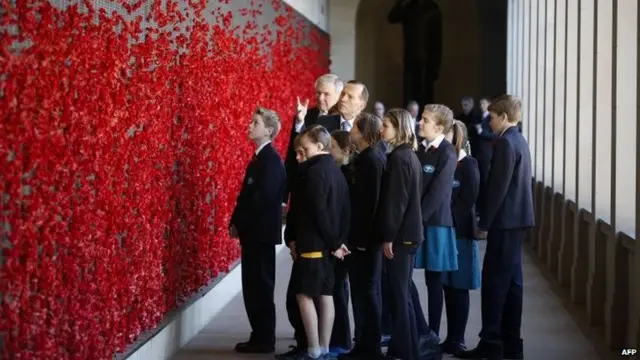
pixel 548 329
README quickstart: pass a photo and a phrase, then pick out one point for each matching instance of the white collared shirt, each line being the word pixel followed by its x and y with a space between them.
pixel 262 147
pixel 462 154
pixel 342 121
pixel 435 143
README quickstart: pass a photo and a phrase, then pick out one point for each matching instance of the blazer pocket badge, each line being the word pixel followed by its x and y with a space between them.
pixel 250 181
pixel 429 169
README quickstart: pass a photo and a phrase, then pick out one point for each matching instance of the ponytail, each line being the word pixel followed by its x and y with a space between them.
pixel 459 136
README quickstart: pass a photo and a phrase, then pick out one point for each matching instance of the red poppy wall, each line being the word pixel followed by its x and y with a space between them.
pixel 123 141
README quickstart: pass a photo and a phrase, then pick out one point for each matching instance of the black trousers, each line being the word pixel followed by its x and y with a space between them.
pixel 384 295
pixel 341 334
pixel 457 305
pixel 422 326
pixel 364 276
pixel 435 299
pixel 258 281
pixel 502 288
pixel 404 343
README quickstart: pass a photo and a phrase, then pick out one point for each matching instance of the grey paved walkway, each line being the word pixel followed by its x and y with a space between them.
pixel 548 329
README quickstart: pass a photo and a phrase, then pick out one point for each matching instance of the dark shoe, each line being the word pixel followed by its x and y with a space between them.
pixel 482 351
pixel 513 351
pixel 429 347
pixel 254 348
pixel 513 355
pixel 389 357
pixel 293 353
pixel 449 347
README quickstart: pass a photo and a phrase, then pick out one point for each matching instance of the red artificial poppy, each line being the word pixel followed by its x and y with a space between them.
pixel 124 142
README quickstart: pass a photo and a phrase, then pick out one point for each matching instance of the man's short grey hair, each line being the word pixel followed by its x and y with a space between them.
pixel 270 119
pixel 330 79
pixel 412 103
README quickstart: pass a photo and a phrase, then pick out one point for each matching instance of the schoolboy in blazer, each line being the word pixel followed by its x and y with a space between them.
pixel 504 222
pixel 399 221
pixel 257 222
pixel 438 253
pixel 365 263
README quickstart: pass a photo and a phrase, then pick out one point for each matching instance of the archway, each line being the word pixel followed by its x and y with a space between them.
pixel 366 47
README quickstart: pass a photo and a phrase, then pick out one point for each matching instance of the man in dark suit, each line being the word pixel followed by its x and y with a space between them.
pixel 328 88
pixel 351 102
pixel 504 222
pixel 257 222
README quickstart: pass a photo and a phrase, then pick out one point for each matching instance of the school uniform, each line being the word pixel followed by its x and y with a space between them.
pixel 293 311
pixel 335 122
pixel 438 253
pixel 507 216
pixel 485 141
pixel 290 163
pixel 365 261
pixel 257 218
pixel 322 226
pixel 399 221
pixel 457 284
pixel 341 341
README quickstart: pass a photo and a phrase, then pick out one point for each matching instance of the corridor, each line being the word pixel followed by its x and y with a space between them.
pixel 548 330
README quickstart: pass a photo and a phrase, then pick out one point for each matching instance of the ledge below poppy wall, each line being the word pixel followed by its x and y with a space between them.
pixel 185 324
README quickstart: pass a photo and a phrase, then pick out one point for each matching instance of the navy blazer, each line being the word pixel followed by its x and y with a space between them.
pixel 508 202
pixel 330 122
pixel 296 188
pixel 324 212
pixel 258 212
pixel 369 167
pixel 290 163
pixel 466 186
pixel 398 216
pixel 438 169
pixel 484 148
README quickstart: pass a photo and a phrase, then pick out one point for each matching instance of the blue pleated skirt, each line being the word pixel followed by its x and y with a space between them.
pixel 438 252
pixel 468 274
